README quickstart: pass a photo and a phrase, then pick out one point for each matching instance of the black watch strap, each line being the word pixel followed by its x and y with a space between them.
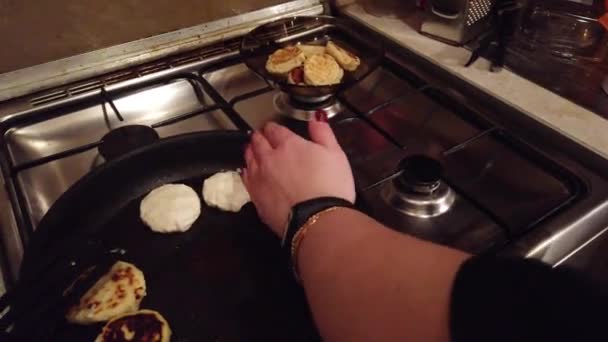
pixel 301 212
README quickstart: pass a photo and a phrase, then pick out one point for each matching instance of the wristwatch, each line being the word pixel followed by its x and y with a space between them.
pixel 301 213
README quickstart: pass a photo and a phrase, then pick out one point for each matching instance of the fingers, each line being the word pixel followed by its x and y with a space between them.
pixel 276 134
pixel 321 133
pixel 259 146
pixel 250 161
pixel 245 178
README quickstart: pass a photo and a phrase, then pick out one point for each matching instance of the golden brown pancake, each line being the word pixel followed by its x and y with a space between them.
pixel 285 59
pixel 140 326
pixel 322 70
pixel 310 50
pixel 118 291
pixel 347 60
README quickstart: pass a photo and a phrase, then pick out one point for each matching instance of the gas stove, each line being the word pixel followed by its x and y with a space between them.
pixel 430 157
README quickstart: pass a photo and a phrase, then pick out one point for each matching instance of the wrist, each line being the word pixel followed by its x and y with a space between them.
pixel 301 234
pixel 301 218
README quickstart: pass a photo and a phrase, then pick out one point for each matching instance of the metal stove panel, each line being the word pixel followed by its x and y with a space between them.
pixel 372 157
pixel 42 185
pixel 80 127
pixel 380 86
pixel 414 119
pixel 90 122
pixel 260 109
pixel 234 80
pixel 517 190
pixel 159 102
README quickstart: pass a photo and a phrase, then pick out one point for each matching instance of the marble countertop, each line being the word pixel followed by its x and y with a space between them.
pixel 398 23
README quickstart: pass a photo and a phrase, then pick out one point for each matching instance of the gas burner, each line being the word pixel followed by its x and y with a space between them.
pixel 124 139
pixel 418 190
pixel 304 108
pixel 311 100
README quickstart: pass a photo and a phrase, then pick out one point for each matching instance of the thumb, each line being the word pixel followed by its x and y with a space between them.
pixel 321 133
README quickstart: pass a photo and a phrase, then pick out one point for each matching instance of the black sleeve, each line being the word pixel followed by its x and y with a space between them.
pixel 500 299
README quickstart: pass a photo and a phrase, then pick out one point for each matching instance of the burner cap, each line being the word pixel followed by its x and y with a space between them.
pixel 420 174
pixel 418 191
pixel 124 139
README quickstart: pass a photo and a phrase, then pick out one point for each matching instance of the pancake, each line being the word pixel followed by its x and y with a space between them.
pixel 117 292
pixel 284 60
pixel 322 70
pixel 310 50
pixel 140 326
pixel 170 208
pixel 347 60
pixel 225 191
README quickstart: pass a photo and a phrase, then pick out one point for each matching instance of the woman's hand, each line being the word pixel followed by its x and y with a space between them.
pixel 284 169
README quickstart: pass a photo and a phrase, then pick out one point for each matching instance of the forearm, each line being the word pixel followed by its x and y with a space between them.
pixel 365 282
pixel 368 283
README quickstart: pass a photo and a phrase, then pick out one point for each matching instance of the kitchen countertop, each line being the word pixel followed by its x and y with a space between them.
pixel 400 22
pixel 35 32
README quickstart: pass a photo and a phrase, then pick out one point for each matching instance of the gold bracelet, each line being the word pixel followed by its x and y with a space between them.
pixel 299 237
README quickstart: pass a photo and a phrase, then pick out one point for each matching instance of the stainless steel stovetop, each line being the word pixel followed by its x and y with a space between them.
pixel 430 158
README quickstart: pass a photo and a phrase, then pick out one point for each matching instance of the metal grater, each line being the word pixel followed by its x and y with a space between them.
pixel 457 21
pixel 478 9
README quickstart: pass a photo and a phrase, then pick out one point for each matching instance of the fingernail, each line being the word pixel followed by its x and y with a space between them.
pixel 321 116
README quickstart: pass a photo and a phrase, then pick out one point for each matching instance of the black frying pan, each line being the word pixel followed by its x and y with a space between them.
pixel 264 40
pixel 223 280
